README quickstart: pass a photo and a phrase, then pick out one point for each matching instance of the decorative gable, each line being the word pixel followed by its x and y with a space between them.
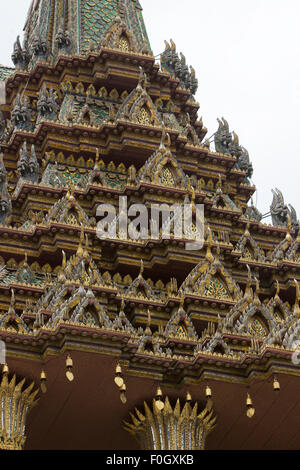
pixel 138 107
pixel 162 167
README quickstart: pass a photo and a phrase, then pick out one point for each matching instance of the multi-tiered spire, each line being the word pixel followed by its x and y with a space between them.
pixel 91 120
pixel 72 27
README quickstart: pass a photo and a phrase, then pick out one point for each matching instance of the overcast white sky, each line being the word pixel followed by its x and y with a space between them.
pixel 247 58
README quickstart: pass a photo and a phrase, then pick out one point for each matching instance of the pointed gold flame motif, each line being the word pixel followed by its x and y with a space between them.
pixel 166 429
pixel 15 405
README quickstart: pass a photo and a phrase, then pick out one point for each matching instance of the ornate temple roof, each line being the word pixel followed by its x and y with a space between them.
pixel 5 72
pixel 78 27
pixel 90 118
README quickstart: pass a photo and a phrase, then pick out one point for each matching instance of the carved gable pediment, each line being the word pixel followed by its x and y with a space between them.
pixel 67 211
pixel 138 107
pixel 163 169
pixel 180 326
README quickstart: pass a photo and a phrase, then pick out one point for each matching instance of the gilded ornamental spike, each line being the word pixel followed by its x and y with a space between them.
pixel 15 402
pixel 165 428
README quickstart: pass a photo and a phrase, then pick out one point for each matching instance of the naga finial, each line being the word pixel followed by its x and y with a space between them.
pixel 167 45
pixel 289 229
pixel 235 138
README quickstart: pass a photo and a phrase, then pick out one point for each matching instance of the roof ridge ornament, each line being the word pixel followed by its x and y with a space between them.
pixel 209 256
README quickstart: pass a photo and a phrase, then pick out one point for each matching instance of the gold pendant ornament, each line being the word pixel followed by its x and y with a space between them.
pixel 123 394
pixel 249 406
pixel 69 366
pixel 43 380
pixel 276 385
pixel 119 381
pixel 158 400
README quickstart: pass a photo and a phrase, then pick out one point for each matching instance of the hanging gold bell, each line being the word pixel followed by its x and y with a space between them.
pixel 123 394
pixel 188 398
pixel 276 385
pixel 158 400
pixel 119 381
pixel 208 392
pixel 43 380
pixel 250 408
pixel 69 371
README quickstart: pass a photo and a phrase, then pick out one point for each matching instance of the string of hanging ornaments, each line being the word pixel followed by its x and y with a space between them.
pixel 147 426
pixel 250 409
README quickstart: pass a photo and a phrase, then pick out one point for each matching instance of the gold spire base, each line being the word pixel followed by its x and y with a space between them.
pixel 171 429
pixel 14 407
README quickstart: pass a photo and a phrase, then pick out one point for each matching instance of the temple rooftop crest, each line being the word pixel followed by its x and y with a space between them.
pixel 77 27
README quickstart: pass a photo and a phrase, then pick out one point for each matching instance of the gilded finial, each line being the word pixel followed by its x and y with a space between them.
pixel 219 183
pixel 247 230
pixel 248 285
pixel 163 137
pixel 168 140
pixel 141 268
pixel 181 305
pixel 297 300
pixel 165 141
pixel 209 256
pixel 86 250
pixel 122 303
pixel 256 297
pixel 71 197
pixel 148 331
pixel 79 252
pixel 12 302
pixel 64 261
pixel 277 298
pixel 12 299
pixel 149 318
